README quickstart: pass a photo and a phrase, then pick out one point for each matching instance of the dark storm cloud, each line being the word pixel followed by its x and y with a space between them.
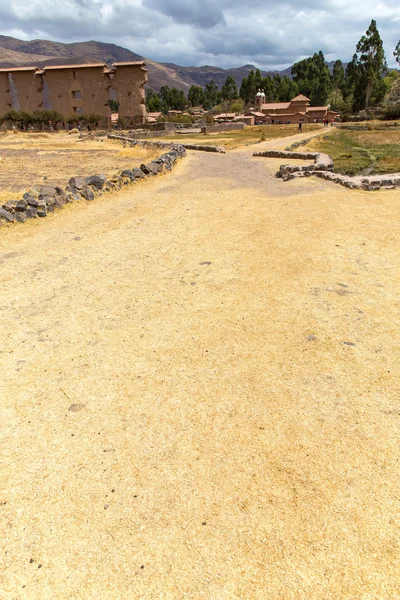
pixel 220 32
pixel 204 13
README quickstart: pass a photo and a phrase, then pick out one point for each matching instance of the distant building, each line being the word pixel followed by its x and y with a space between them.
pixel 224 117
pixel 77 89
pixel 298 109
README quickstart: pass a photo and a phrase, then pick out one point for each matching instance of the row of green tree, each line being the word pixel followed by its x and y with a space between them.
pixel 207 97
pixel 360 85
pixel 43 119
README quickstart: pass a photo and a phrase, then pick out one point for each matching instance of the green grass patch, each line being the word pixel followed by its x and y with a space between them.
pixel 361 152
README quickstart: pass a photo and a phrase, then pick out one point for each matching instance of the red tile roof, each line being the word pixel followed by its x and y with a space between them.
pixel 300 98
pixel 275 105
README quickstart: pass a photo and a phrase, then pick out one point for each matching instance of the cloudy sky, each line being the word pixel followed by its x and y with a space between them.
pixel 225 33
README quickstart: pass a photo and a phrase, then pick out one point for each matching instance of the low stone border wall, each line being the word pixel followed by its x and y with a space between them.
pixel 205 148
pixel 323 168
pixel 300 143
pixel 222 127
pixel 200 147
pixel 38 203
pixel 371 183
pixel 321 162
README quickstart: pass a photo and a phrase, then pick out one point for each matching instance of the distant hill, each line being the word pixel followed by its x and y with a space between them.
pixel 15 53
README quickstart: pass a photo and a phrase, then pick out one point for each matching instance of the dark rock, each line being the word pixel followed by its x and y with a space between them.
pixel 21 206
pixel 31 212
pixel 10 205
pixel 41 212
pixel 77 182
pixel 61 199
pixel 146 170
pixel 127 173
pixel 87 193
pixel 4 214
pixel 20 217
pixel 49 200
pixel 96 181
pixel 47 190
pixel 149 169
pixel 157 167
pixel 138 173
pixel 30 199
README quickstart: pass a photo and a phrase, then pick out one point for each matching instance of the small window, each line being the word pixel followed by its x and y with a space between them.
pixel 77 109
pixel 74 74
pixel 76 94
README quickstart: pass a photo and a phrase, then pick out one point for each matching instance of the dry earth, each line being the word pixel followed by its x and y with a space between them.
pixel 200 398
pixel 28 160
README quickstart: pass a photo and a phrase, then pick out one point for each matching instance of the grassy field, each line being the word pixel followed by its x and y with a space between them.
pixel 361 152
pixel 242 137
pixel 32 159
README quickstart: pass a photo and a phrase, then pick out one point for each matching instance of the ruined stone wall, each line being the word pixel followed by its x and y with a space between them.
pixel 82 90
pixel 128 84
pixel 19 90
pixel 76 89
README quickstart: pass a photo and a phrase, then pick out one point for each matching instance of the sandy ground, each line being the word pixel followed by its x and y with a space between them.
pixel 200 391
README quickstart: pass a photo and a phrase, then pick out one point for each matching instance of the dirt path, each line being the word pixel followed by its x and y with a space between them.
pixel 199 383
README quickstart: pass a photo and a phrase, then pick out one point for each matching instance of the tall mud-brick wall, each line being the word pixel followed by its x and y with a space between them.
pixel 76 89
pixel 128 84
pixel 19 90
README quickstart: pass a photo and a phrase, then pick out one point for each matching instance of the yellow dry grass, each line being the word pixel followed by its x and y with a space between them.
pixel 200 391
pixel 34 159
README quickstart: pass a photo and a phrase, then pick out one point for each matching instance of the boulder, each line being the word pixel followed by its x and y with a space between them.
pixel 10 205
pixel 138 173
pixel 96 181
pixel 47 190
pixel 60 199
pixel 30 199
pixel 49 200
pixel 31 212
pixel 128 173
pixel 157 167
pixel 87 193
pixel 21 206
pixel 147 170
pixel 7 216
pixel 41 212
pixel 20 217
pixel 77 182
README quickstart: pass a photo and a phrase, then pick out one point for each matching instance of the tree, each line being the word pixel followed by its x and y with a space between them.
pixel 396 53
pixel 172 99
pixel 313 78
pixel 153 101
pixel 338 85
pixel 211 95
pixel 196 96
pixel 371 66
pixel 229 90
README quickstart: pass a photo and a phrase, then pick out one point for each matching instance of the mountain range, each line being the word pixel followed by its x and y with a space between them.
pixel 18 53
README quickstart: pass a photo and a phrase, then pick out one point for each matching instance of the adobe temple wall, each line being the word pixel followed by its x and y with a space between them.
pixel 75 89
